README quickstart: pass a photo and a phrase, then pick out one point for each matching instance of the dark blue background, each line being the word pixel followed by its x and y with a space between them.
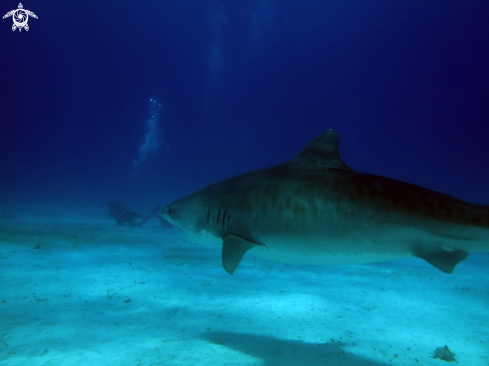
pixel 243 84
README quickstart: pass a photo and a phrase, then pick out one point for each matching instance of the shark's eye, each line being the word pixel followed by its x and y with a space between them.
pixel 169 211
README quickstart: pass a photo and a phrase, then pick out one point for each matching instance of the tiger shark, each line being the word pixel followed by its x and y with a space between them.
pixel 314 209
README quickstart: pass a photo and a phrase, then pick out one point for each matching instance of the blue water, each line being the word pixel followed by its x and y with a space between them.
pixel 243 85
pixel 146 102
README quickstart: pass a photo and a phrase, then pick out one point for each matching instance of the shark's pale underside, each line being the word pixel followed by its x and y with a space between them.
pixel 314 209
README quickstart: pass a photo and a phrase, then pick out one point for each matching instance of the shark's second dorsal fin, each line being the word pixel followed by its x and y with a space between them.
pixel 323 150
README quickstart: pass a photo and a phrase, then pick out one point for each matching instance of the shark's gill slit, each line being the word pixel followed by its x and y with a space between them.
pixel 218 214
pixel 229 218
pixel 223 219
pixel 208 214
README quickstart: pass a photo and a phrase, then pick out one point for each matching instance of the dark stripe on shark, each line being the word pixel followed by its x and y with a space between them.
pixel 307 189
pixel 222 222
pixel 223 219
pixel 414 200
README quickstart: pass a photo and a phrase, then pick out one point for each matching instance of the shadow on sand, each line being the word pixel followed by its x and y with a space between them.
pixel 282 352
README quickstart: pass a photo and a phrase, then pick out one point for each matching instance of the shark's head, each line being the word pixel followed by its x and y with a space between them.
pixel 184 214
pixel 191 216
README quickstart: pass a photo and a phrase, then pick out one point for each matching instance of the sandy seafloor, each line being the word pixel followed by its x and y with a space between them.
pixel 93 293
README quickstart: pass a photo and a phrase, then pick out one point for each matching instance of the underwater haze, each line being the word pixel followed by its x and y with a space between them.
pixel 147 102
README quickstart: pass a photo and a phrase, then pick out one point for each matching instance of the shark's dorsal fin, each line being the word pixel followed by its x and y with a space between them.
pixel 323 150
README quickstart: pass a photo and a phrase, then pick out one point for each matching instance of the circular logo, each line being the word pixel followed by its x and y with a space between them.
pixel 20 17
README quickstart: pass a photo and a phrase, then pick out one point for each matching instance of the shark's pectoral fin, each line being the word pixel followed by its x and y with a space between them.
pixel 233 250
pixel 444 260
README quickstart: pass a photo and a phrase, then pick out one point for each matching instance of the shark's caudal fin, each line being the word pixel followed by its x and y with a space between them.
pixel 324 151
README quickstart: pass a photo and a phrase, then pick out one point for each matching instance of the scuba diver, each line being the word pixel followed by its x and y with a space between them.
pixel 123 216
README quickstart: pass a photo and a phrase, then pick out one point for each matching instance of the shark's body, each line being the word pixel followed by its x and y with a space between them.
pixel 315 210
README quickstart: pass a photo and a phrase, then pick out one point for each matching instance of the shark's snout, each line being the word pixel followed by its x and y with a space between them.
pixel 181 214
